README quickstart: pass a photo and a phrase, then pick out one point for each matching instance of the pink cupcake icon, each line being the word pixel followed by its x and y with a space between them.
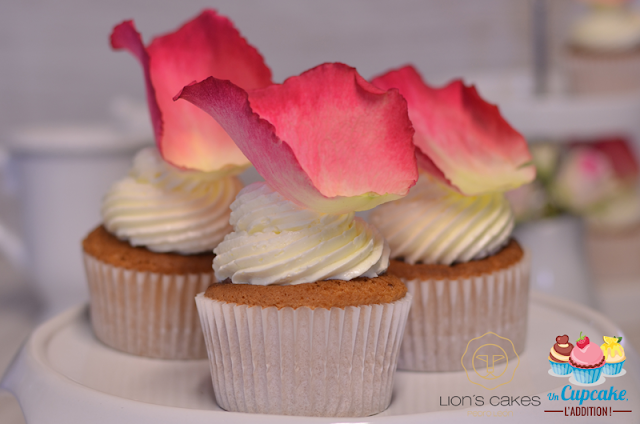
pixel 587 361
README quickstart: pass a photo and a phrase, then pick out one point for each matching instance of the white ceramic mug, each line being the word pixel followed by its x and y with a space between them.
pixel 61 173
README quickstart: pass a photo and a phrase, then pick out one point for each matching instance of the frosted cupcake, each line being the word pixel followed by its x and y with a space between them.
pixel 559 356
pixel 306 322
pixel 587 361
pixel 450 238
pixel 603 55
pixel 614 356
pixel 153 253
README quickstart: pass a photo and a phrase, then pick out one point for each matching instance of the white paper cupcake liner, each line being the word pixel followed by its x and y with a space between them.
pixel 447 314
pixel 587 376
pixel 602 74
pixel 614 368
pixel 309 362
pixel 146 313
pixel 613 256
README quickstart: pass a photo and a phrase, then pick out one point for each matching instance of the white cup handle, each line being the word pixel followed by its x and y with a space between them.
pixel 11 246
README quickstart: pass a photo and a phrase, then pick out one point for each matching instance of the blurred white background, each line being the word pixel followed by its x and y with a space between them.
pixel 56 66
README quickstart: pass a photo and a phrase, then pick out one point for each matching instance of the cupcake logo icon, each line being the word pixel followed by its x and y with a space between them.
pixel 490 360
pixel 587 363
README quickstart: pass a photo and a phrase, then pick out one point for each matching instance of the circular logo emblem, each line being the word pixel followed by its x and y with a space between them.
pixel 490 360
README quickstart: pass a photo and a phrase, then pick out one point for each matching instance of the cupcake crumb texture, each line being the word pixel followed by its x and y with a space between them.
pixel 321 294
pixel 107 248
pixel 511 254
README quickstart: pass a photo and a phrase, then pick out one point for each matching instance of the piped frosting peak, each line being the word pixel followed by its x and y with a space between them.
pixel 276 241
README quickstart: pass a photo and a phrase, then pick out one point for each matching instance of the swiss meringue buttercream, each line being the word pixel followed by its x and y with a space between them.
pixel 436 225
pixel 166 209
pixel 277 242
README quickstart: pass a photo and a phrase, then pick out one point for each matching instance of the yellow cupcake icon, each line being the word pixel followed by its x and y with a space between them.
pixel 614 356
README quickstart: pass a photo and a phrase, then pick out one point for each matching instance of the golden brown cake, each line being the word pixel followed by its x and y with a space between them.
pixel 107 248
pixel 508 256
pixel 321 294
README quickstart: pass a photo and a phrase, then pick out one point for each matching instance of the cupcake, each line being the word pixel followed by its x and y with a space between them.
pixel 587 361
pixel 559 356
pixel 305 321
pixel 614 356
pixel 153 252
pixel 450 238
pixel 603 54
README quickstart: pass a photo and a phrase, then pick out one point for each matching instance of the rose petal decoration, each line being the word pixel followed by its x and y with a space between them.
pixel 461 139
pixel 208 45
pixel 327 140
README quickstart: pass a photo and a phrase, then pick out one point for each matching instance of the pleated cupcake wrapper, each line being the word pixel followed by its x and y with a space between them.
pixel 613 368
pixel 563 368
pixel 587 375
pixel 309 362
pixel 146 313
pixel 591 74
pixel 613 256
pixel 447 314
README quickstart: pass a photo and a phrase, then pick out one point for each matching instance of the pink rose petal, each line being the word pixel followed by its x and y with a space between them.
pixel 327 139
pixel 208 45
pixel 469 144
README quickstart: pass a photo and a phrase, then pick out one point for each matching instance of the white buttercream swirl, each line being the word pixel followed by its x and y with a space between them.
pixel 437 225
pixel 612 28
pixel 166 209
pixel 277 242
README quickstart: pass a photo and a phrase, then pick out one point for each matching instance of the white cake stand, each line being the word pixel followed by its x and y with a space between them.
pixel 64 375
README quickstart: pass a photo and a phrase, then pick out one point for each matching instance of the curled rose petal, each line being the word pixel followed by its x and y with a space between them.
pixel 461 139
pixel 326 140
pixel 208 45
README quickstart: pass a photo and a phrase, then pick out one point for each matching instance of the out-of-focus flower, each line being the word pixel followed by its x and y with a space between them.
pixel 208 45
pixel 586 179
pixel 620 155
pixel 327 140
pixel 461 139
